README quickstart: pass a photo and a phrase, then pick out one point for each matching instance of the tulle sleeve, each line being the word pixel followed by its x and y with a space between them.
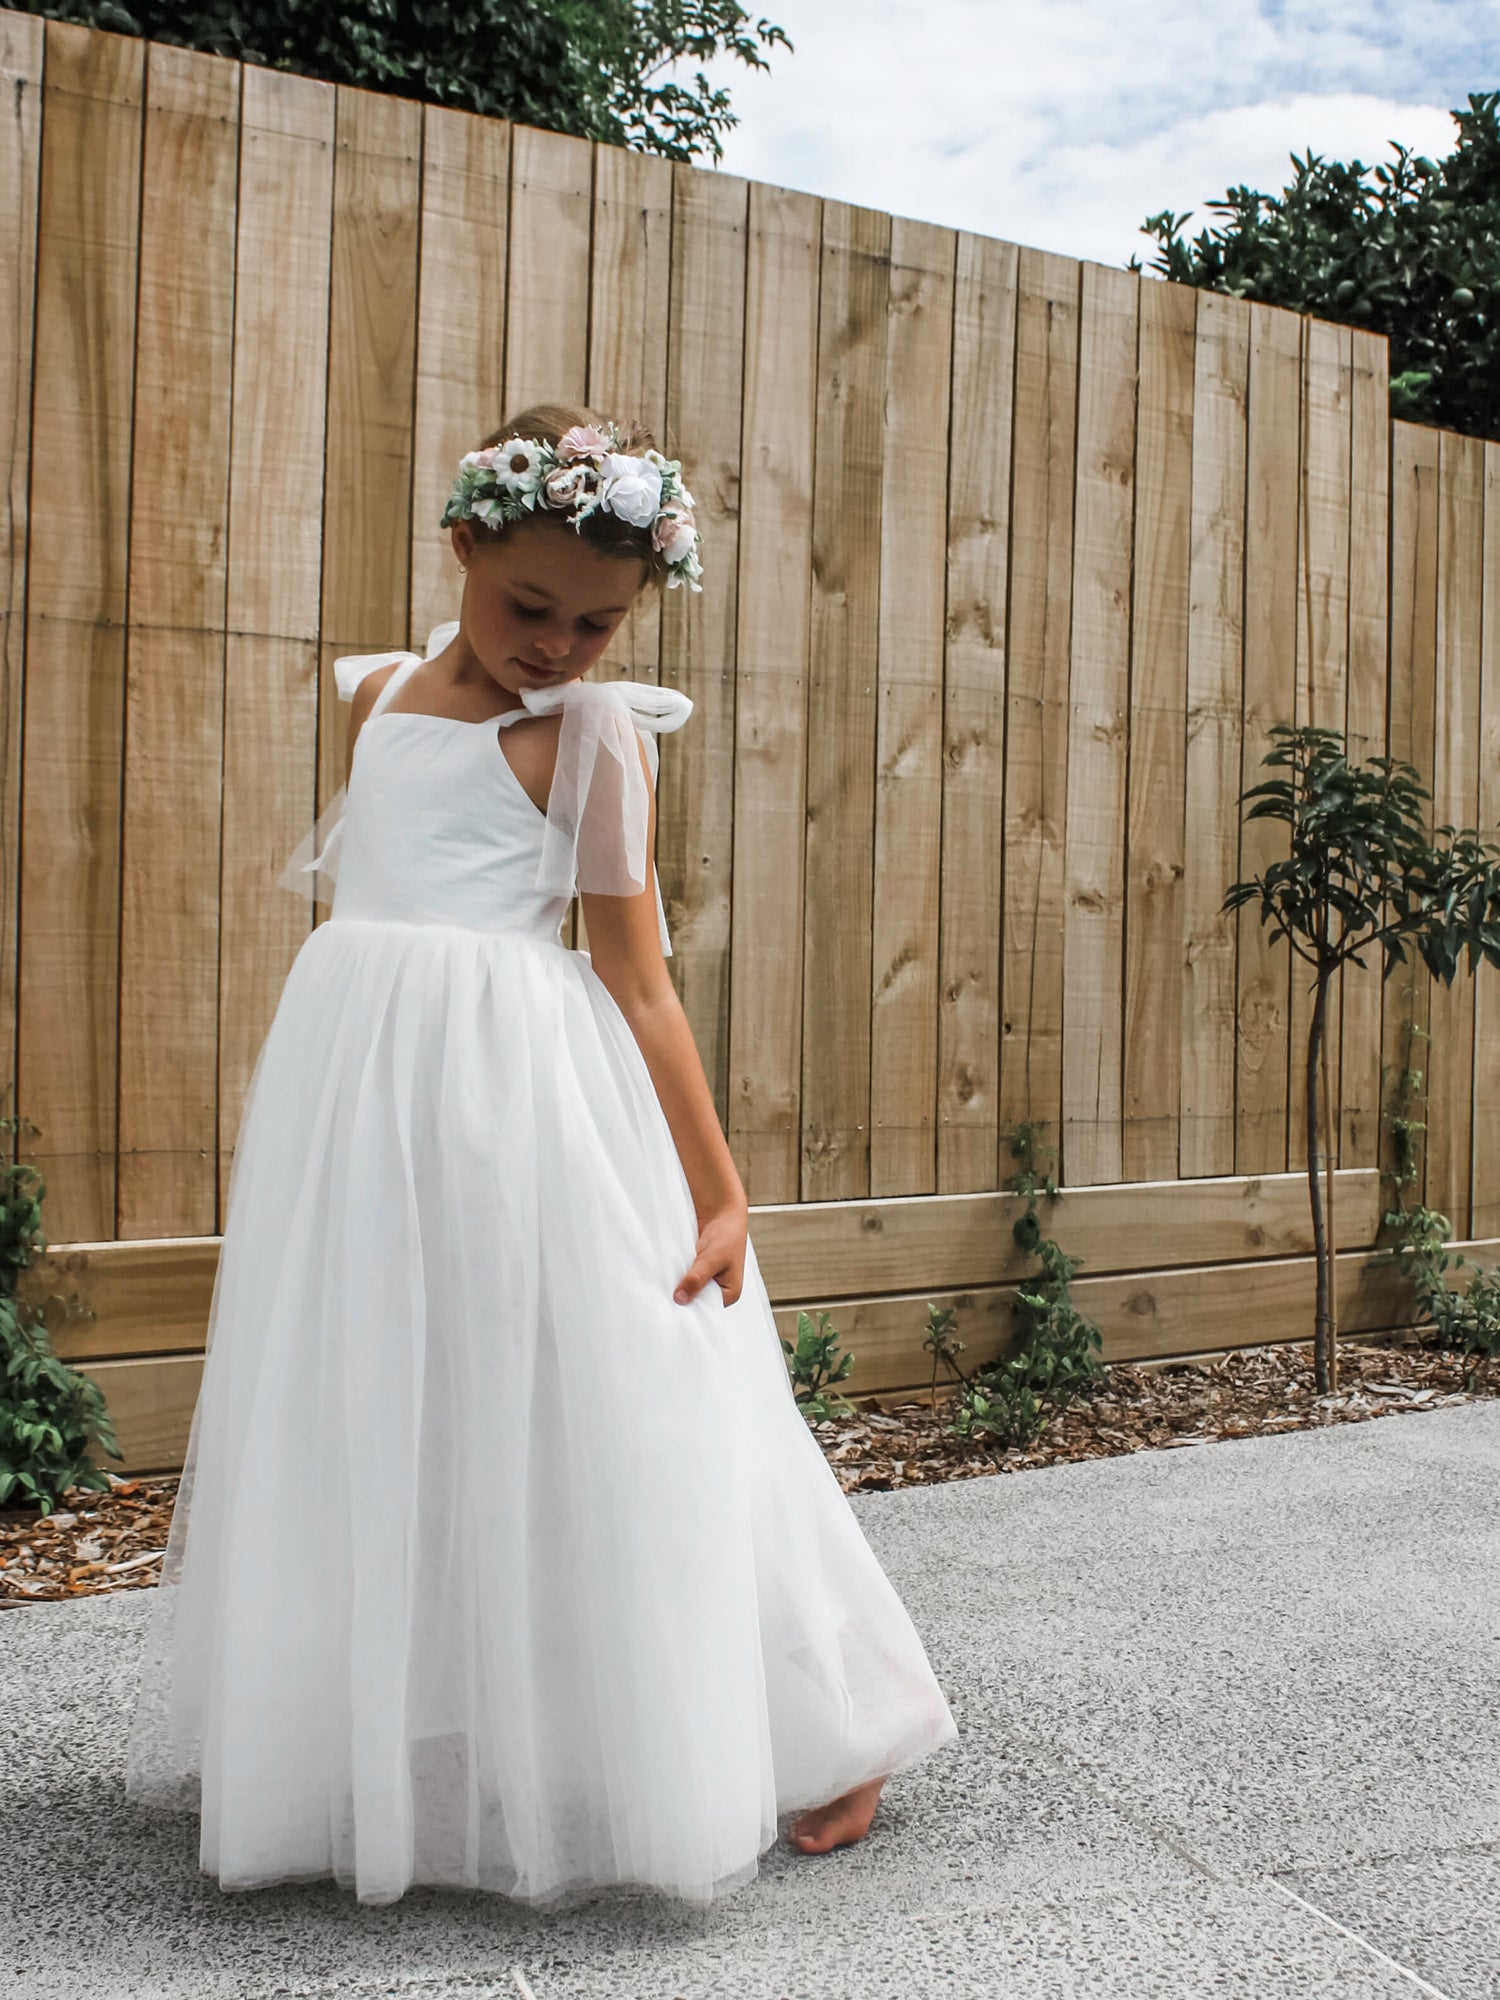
pixel 313 866
pixel 598 807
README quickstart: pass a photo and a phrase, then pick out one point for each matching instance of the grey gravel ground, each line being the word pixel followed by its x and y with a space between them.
pixel 1228 1725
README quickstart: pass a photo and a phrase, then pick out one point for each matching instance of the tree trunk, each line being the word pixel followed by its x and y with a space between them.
pixel 1322 1341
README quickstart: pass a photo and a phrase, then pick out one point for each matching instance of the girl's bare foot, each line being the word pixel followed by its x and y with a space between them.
pixel 838 1824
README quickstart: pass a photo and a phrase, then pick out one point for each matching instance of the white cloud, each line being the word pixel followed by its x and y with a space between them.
pixel 1065 125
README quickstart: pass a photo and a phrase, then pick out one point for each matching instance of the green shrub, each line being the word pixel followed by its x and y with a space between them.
pixel 49 1414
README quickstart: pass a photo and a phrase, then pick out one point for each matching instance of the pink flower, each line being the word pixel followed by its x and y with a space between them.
pixel 565 484
pixel 674 533
pixel 583 441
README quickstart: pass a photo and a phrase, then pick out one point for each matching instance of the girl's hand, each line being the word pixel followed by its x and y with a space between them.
pixel 721 1255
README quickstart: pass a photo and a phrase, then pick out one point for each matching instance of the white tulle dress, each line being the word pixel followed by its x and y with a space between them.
pixel 491 1565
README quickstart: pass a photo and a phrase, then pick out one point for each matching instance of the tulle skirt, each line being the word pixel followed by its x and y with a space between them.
pixel 491 1565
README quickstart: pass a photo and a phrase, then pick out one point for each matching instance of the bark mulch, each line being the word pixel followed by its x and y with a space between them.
pixel 103 1542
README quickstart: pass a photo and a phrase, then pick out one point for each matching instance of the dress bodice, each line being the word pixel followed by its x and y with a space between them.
pixel 436 827
pixel 439 829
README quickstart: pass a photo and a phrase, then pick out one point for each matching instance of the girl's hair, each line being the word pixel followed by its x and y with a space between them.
pixel 601 529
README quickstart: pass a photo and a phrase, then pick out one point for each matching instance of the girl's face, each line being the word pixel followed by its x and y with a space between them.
pixel 541 604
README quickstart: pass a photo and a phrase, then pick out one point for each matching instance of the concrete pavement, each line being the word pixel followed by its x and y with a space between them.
pixel 1230 1724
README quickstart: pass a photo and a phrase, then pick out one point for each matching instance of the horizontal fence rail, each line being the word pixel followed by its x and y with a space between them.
pixel 1167 1270
pixel 1012 562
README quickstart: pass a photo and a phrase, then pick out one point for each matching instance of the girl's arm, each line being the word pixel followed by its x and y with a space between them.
pixel 625 951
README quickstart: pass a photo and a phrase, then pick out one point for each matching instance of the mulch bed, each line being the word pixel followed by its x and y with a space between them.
pixel 103 1542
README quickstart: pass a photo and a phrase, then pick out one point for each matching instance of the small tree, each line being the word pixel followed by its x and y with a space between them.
pixel 1363 874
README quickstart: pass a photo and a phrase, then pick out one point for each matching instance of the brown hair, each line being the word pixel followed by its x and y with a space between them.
pixel 601 529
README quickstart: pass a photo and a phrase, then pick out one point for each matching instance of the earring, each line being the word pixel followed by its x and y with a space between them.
pixel 463 569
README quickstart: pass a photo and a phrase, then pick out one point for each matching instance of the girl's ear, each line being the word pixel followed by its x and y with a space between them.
pixel 462 537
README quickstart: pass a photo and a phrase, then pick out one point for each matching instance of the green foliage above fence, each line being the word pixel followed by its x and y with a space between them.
pixel 577 66
pixel 1410 250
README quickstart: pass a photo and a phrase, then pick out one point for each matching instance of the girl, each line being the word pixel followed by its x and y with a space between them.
pixel 503 1557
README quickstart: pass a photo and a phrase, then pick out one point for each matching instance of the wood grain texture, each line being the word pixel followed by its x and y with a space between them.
pixel 1413 680
pixel 1215 677
pixel 274 582
pixel 1098 725
pixel 854 288
pixel 547 297
pixel 1036 731
pixel 695 794
pixel 630 298
pixel 629 302
pixel 73 728
pixel 174 680
pixel 22 42
pixel 1272 512
pixel 1367 702
pixel 371 368
pixel 153 1297
pixel 1455 802
pixel 460 351
pixel 775 551
pixel 974 687
pixel 1322 636
pixel 1151 1083
pixel 1484 1203
pixel 909 718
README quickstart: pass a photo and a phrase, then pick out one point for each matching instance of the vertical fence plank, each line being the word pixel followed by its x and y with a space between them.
pixel 174 682
pixel 909 725
pixel 854 288
pixel 1098 720
pixel 1322 638
pixel 1455 802
pixel 1215 682
pixel 460 358
pixel 371 360
pixel 1413 675
pixel 695 794
pixel 22 39
pixel 1273 490
pixel 984 340
pixel 630 296
pixel 547 310
pixel 1484 1206
pixel 1036 729
pixel 281 306
pixel 1155 859
pixel 69 997
pixel 1369 649
pixel 547 314
pixel 765 1009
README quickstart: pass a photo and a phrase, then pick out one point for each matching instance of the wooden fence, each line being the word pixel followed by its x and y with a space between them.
pixel 1011 562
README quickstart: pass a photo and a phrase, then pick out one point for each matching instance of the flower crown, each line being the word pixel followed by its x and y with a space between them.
pixel 585 469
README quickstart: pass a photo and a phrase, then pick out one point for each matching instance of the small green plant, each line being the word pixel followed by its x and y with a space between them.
pixel 813 1371
pixel 1362 874
pixel 1054 1358
pixel 1466 1322
pixel 49 1414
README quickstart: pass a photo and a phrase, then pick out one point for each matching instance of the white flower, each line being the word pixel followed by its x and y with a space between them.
pixel 631 488
pixel 518 465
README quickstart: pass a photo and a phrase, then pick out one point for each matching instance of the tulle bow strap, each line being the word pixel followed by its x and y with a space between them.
pixel 598 807
pixel 312 868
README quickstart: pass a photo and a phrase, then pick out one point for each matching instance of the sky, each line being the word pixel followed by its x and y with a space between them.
pixel 1065 123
